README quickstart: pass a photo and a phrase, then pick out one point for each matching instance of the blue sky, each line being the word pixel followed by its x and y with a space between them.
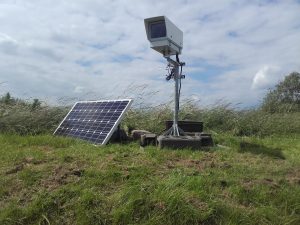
pixel 97 49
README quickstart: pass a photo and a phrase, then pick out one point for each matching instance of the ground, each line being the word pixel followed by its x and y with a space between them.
pixel 52 180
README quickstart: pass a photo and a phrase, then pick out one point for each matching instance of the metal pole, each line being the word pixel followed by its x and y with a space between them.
pixel 176 101
pixel 175 130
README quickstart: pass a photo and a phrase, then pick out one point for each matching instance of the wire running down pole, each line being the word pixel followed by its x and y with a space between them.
pixel 175 130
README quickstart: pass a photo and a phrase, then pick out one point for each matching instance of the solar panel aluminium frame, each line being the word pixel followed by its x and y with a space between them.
pixel 114 126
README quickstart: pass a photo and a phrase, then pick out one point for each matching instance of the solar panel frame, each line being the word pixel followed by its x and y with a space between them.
pixel 115 125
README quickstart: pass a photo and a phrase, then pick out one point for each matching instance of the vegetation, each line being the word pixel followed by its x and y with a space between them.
pixel 52 180
pixel 252 176
pixel 22 117
pixel 285 97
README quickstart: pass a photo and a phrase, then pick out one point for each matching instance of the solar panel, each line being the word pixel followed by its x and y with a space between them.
pixel 93 121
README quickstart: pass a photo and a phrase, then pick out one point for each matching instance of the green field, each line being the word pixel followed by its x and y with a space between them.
pixel 51 180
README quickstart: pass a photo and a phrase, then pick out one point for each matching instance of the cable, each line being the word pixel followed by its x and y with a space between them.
pixel 179 77
pixel 179 85
pixel 177 58
pixel 171 74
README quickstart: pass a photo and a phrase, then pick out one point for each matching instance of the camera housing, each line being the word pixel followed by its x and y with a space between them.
pixel 163 35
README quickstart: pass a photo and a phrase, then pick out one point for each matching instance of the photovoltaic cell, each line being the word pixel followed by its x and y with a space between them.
pixel 93 121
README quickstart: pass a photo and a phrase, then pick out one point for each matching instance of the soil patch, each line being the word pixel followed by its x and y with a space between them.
pixel 249 184
pixel 46 148
pixel 61 176
pixel 293 176
pixel 25 162
pixel 208 161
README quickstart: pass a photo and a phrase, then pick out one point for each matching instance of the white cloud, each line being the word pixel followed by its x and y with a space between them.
pixel 6 38
pixel 266 77
pixel 96 49
pixel 78 89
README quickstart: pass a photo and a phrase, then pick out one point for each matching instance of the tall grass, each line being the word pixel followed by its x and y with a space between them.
pixel 221 118
pixel 22 118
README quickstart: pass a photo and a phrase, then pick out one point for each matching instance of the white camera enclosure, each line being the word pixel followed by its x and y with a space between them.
pixel 164 36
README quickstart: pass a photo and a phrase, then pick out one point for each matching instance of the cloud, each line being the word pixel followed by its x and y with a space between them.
pixel 5 38
pixel 97 49
pixel 266 77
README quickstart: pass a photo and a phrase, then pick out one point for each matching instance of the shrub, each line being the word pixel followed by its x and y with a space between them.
pixel 285 97
pixel 22 118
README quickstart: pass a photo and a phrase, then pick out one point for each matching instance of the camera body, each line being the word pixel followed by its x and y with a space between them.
pixel 164 36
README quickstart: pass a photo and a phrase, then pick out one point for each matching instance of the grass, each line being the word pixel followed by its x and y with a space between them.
pixel 52 180
pixel 21 117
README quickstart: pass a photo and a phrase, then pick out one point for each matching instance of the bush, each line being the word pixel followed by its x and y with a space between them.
pixel 24 118
pixel 285 97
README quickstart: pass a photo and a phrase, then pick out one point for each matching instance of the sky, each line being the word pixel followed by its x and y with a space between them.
pixel 64 51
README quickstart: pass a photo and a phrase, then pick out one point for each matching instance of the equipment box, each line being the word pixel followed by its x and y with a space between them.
pixel 187 125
